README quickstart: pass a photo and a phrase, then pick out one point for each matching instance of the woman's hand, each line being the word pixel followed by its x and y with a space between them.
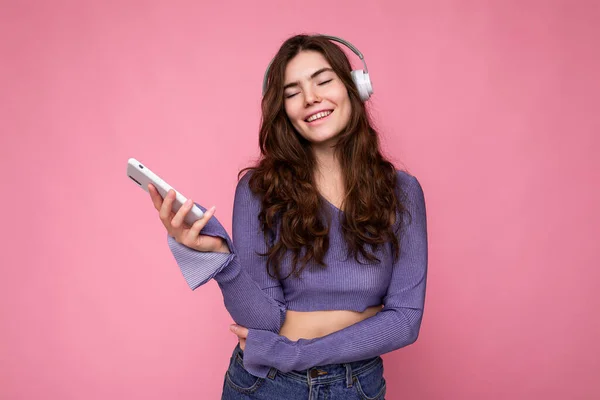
pixel 242 334
pixel 183 233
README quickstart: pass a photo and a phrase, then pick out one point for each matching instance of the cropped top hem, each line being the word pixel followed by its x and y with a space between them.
pixel 333 306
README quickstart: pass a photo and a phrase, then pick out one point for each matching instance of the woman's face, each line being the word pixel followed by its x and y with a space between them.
pixel 316 100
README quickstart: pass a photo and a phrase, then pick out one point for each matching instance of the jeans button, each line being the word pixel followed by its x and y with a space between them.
pixel 314 373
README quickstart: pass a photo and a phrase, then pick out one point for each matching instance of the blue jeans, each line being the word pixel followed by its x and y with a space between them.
pixel 360 380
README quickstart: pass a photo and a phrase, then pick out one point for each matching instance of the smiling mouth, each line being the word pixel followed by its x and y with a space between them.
pixel 318 116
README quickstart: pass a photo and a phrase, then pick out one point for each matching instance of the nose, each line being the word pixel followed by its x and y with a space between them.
pixel 311 96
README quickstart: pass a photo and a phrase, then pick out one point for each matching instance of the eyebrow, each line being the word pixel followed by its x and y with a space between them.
pixel 314 75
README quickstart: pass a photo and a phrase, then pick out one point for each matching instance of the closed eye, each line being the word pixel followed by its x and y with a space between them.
pixel 289 96
pixel 325 82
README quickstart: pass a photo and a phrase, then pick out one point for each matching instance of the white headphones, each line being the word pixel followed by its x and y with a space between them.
pixel 360 77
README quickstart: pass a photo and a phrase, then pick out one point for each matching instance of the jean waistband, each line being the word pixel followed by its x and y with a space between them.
pixel 327 373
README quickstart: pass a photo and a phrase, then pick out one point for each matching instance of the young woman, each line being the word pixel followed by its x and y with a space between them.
pixel 328 267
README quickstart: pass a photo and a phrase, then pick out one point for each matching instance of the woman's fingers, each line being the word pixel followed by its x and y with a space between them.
pixel 179 218
pixel 166 214
pixel 242 334
pixel 166 209
pixel 175 222
pixel 163 209
pixel 192 238
pixel 157 199
pixel 240 331
pixel 192 234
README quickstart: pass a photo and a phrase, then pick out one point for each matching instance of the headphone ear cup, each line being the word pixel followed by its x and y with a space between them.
pixel 362 81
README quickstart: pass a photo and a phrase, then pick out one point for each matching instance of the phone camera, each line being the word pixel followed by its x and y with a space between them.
pixel 141 166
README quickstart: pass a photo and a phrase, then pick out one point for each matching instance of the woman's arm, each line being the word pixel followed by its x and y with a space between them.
pixel 253 298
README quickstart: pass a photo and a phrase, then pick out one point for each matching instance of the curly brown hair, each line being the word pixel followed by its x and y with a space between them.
pixel 284 175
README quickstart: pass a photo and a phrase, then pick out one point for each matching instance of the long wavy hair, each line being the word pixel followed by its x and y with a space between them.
pixel 283 176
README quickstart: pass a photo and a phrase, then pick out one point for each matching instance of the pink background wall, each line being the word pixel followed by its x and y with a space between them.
pixel 492 105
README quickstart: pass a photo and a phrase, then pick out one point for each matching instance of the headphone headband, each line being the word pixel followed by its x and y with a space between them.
pixel 364 86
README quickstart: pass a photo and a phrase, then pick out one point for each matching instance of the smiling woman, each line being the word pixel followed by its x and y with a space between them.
pixel 327 269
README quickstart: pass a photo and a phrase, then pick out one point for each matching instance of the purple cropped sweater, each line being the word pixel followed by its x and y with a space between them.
pixel 259 302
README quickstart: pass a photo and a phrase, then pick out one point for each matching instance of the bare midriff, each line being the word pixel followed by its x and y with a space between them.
pixel 315 324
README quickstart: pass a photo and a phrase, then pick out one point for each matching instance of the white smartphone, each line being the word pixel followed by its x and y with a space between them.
pixel 142 176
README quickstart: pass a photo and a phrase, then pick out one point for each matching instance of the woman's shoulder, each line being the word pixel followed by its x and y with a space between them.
pixel 406 180
pixel 411 193
pixel 244 180
pixel 243 192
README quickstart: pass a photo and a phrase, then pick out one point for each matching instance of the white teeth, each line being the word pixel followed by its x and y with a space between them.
pixel 316 116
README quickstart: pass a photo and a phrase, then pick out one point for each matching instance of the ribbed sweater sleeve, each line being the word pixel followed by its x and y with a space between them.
pixel 252 297
pixel 396 326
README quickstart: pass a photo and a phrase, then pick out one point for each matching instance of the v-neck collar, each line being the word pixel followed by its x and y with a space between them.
pixel 330 204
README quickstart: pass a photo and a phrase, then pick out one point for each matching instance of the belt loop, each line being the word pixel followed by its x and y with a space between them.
pixel 348 375
pixel 272 373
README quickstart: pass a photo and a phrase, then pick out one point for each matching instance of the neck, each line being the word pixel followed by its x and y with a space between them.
pixel 327 162
pixel 328 175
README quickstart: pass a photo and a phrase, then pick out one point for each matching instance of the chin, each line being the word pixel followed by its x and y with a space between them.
pixel 316 135
pixel 321 139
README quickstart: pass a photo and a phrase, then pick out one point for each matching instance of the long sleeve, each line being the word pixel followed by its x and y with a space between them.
pixel 396 326
pixel 252 297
